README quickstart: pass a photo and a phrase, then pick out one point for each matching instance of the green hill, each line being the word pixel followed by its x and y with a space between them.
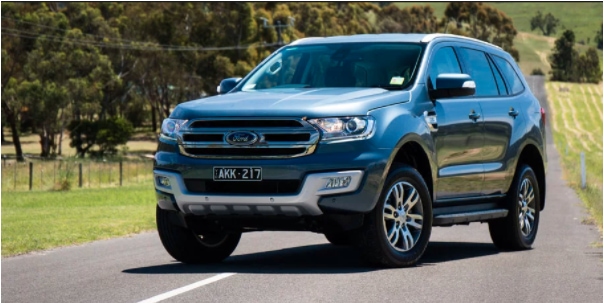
pixel 583 18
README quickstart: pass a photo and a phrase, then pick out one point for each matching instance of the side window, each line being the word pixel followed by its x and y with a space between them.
pixel 500 84
pixel 444 61
pixel 510 75
pixel 480 71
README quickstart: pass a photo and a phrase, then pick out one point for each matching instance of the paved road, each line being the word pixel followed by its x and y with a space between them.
pixel 460 265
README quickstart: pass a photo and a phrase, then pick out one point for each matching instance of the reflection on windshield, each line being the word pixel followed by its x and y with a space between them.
pixel 385 65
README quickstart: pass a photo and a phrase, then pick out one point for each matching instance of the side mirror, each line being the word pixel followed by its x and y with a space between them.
pixel 453 85
pixel 227 85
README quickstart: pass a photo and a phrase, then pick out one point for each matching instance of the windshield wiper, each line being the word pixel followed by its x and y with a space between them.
pixel 389 87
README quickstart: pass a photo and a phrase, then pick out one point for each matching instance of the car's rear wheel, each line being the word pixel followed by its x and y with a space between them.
pixel 518 230
pixel 187 246
pixel 397 231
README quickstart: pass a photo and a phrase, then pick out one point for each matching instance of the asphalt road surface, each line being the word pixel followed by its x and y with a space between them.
pixel 460 265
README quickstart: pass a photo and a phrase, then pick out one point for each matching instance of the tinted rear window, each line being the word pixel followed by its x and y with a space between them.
pixel 514 83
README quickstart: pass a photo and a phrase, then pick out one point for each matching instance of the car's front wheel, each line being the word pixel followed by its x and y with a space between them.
pixel 397 231
pixel 187 246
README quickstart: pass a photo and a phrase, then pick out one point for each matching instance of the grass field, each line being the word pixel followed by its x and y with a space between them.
pixel 576 120
pixel 34 221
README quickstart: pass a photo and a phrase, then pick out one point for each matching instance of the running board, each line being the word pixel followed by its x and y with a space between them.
pixel 469 217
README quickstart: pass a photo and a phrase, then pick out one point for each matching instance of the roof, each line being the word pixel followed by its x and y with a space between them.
pixel 424 38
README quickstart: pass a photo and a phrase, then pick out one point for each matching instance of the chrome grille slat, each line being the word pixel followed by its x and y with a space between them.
pixel 272 144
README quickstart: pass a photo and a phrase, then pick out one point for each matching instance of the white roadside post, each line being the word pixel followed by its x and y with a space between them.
pixel 583 174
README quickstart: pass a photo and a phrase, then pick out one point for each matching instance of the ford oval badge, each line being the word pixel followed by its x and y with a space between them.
pixel 241 138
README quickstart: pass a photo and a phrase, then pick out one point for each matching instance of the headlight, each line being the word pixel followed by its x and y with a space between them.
pixel 170 127
pixel 348 128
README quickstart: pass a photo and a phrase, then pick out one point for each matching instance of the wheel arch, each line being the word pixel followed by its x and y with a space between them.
pixel 532 156
pixel 412 150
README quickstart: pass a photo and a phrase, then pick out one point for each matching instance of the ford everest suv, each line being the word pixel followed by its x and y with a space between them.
pixel 369 139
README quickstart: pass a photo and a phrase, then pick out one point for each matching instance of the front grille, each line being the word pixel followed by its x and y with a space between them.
pixel 245 151
pixel 203 137
pixel 276 138
pixel 286 137
pixel 267 137
pixel 245 123
pixel 242 187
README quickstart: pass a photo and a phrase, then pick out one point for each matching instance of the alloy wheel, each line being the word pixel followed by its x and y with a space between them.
pixel 526 207
pixel 403 216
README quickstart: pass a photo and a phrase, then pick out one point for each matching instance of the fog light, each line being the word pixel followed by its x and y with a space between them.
pixel 338 182
pixel 163 181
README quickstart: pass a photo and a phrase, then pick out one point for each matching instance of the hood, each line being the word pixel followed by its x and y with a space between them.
pixel 291 102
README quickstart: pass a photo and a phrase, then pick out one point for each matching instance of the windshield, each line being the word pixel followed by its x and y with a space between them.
pixel 386 65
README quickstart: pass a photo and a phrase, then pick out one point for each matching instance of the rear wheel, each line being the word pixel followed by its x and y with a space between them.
pixel 518 230
pixel 187 246
pixel 397 231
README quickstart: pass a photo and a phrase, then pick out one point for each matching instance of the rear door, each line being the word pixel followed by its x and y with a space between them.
pixel 502 119
pixel 459 137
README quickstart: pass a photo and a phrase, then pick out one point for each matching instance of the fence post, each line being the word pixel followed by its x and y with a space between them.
pixel 15 176
pixel 31 175
pixel 583 172
pixel 80 175
pixel 120 172
pixel 4 160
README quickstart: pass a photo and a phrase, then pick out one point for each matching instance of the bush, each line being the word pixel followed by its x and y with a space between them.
pixel 106 134
pixel 537 72
pixel 112 133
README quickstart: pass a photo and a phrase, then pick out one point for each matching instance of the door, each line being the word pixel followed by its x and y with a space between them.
pixel 459 136
pixel 503 125
pixel 501 114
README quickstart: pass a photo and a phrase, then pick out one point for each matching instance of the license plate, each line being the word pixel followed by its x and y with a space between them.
pixel 237 173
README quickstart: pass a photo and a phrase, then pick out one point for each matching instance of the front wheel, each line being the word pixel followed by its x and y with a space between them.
pixel 187 246
pixel 397 231
pixel 518 230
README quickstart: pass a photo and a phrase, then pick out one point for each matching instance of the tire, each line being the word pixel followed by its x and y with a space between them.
pixel 390 237
pixel 517 231
pixel 339 239
pixel 187 247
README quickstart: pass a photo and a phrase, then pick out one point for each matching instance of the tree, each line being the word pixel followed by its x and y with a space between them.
pixel 547 24
pixel 588 67
pixel 562 57
pixel 15 49
pixel 568 65
pixel 413 19
pixel 484 22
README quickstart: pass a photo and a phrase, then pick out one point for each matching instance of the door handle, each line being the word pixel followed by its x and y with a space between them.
pixel 474 116
pixel 513 112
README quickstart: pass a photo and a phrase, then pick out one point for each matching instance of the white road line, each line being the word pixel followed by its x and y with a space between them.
pixel 184 289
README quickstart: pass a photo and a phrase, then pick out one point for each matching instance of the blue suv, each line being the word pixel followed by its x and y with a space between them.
pixel 369 139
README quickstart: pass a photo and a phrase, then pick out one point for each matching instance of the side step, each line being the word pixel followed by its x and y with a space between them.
pixel 469 217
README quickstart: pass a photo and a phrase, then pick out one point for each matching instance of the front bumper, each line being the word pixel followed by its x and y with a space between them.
pixel 175 196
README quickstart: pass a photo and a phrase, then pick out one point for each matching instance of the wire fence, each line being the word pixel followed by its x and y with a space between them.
pixel 64 175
